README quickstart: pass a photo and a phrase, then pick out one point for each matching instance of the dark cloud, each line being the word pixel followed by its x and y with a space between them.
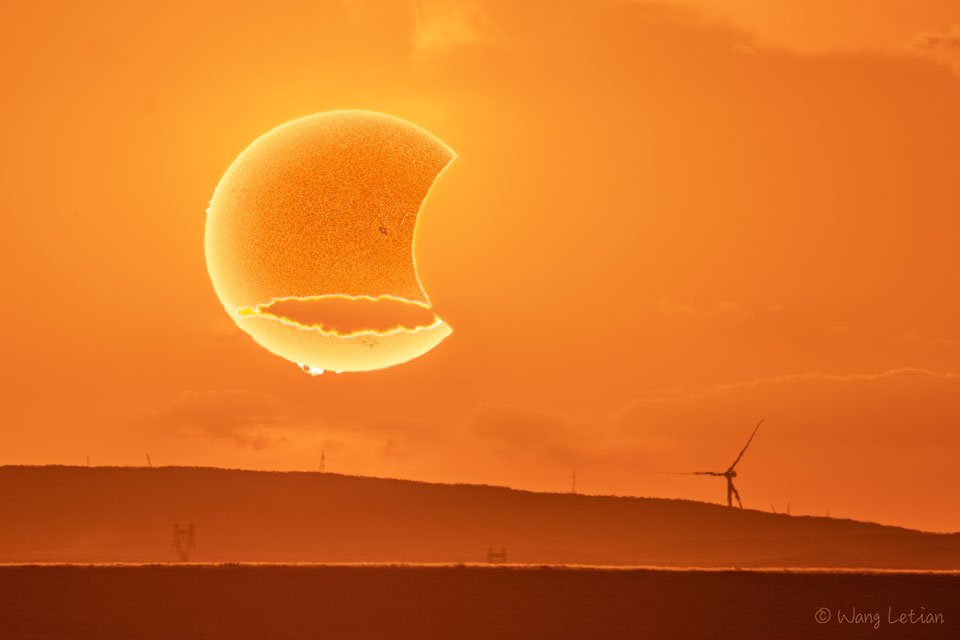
pixel 826 443
pixel 516 425
pixel 246 418
pixel 942 47
pixel 902 408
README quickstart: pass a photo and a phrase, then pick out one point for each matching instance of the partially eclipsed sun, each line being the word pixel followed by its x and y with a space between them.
pixel 309 240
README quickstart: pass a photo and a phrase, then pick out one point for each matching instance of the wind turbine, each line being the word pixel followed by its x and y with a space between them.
pixel 729 474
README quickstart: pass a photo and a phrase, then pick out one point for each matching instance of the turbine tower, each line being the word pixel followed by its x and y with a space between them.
pixel 730 473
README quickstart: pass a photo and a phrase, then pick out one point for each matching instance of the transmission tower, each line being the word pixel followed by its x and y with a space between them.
pixel 184 542
pixel 496 557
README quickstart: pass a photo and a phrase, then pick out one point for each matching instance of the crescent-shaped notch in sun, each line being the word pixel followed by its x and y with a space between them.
pixel 309 240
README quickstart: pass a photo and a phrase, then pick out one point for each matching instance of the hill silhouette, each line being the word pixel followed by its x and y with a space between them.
pixel 119 514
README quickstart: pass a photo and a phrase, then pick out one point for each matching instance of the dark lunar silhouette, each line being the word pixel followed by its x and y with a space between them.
pixel 729 474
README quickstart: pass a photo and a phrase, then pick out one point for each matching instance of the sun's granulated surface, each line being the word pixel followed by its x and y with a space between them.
pixel 326 206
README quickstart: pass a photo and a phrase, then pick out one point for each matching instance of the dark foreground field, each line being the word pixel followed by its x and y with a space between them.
pixel 459 602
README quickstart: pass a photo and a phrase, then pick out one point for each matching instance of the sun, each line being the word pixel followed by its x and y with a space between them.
pixel 309 240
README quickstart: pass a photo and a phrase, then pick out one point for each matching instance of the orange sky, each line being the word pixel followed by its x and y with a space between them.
pixel 666 221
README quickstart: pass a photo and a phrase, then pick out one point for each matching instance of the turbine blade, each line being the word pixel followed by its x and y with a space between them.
pixel 737 494
pixel 742 451
pixel 692 473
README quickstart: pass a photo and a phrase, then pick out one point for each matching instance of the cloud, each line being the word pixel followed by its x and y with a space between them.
pixel 245 418
pixel 726 311
pixel 426 28
pixel 939 342
pixel 941 47
pixel 739 47
pixel 875 446
pixel 827 377
pixel 515 425
pixel 826 442
pixel 821 26
pixel 888 408
pixel 440 25
pixel 512 434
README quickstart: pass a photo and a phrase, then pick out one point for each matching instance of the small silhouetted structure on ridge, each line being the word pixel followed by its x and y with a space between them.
pixel 496 557
pixel 729 474
pixel 184 542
